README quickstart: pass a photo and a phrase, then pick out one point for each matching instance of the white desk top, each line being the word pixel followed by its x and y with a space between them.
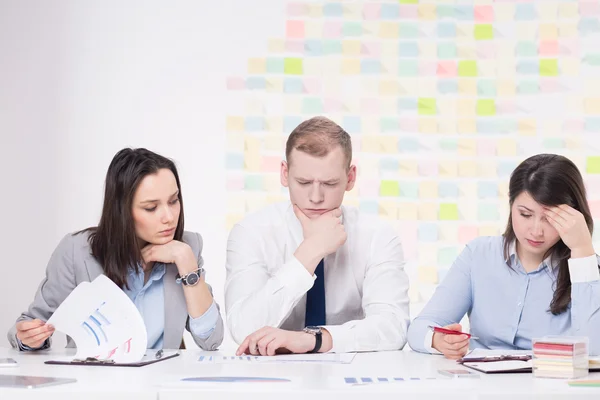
pixel 309 381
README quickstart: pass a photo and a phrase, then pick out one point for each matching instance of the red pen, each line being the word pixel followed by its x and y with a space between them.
pixel 451 332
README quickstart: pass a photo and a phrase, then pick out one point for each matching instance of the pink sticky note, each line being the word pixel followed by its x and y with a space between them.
pixel 466 233
pixel 235 183
pixel 297 9
pixel 428 167
pixel 484 14
pixel 369 188
pixel 356 146
pixel 409 125
pixel 447 69
pixel 332 29
pixel 371 49
pixel 486 50
pixel 312 85
pixel 409 12
pixel 294 29
pixel 589 8
pixel 235 83
pixel 595 208
pixel 371 11
pixel 506 107
pixel 332 105
pixel 569 48
pixel 370 105
pixel 294 46
pixel 573 126
pixel 270 164
pixel 551 86
pixel 427 68
pixel 486 148
pixel 549 48
pixel 409 235
pixel 592 184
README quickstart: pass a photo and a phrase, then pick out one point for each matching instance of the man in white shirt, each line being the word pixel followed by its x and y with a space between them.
pixel 312 275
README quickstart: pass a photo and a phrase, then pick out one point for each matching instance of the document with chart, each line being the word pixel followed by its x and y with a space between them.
pixel 103 322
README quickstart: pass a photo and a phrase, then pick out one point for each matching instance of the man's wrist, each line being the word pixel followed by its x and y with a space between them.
pixel 309 254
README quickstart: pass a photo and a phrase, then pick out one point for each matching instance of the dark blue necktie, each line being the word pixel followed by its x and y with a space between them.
pixel 315 299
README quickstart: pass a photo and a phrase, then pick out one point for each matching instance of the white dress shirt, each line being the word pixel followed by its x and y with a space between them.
pixel 366 288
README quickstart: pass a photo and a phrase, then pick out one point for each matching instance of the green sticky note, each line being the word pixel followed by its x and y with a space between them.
pixel 449 144
pixel 352 29
pixel 408 68
pixel 448 212
pixel 447 255
pixel 487 212
pixel 549 67
pixel 275 65
pixel 446 50
pixel 486 88
pixel 312 105
pixel 389 188
pixel 409 1
pixel 409 31
pixel 486 107
pixel 253 182
pixel 554 143
pixel 427 106
pixel 388 124
pixel 467 68
pixel 593 165
pixel 526 49
pixel 484 32
pixel 292 66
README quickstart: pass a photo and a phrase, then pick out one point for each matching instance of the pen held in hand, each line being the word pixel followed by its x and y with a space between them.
pixel 451 332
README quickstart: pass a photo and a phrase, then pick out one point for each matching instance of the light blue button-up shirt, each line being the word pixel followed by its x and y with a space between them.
pixel 149 299
pixel 508 307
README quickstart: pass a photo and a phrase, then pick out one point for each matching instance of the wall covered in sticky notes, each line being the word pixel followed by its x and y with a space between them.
pixel 442 101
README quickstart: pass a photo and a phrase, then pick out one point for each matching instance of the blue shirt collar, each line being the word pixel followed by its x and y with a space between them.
pixel 512 258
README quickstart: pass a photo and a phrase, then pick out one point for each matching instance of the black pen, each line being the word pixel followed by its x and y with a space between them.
pixel 158 354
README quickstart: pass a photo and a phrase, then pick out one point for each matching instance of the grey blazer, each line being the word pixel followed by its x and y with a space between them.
pixel 72 263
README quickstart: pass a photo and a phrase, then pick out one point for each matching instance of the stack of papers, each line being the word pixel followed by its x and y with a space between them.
pixel 560 358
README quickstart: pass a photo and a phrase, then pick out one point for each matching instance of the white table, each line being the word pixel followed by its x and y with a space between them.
pixel 310 381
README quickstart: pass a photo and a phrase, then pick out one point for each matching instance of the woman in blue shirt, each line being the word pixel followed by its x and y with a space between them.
pixel 539 278
pixel 141 245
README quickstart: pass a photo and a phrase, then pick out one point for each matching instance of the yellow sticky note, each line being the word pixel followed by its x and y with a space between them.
pixel 503 189
pixel 370 144
pixel 272 183
pixel 464 31
pixel 389 87
pixel 467 87
pixel 489 230
pixel 409 87
pixel 504 12
pixel 487 169
pixel 428 212
pixel 427 106
pixel 292 105
pixel 591 87
pixel 235 141
pixel 448 212
pixel 413 295
pixel 407 212
pixel 315 10
pixel 448 233
pixel 276 45
pixel 568 10
pixel 466 50
pixel 278 198
pixel 234 124
pixel 527 127
pixel 506 67
pixel 467 126
pixel 232 219
pixel 388 106
pixel 351 47
pixel 428 125
pixel 427 87
pixel 274 143
pixel 487 68
pixel 549 67
pixel 389 67
pixel 483 32
pixel 389 30
pixel 274 125
pixel 506 88
pixel 527 30
pixel 236 205
pixel 548 32
pixel 427 12
pixel 467 168
pixel 467 147
pixel 486 107
pixel 506 147
pixel 428 190
pixel 389 50
pixel 388 209
pixel 313 29
pixel 369 88
pixel 349 201
pixel 274 84
pixel 448 126
pixel 292 66
pixel 408 168
pixel 547 11
pixel 350 66
pixel 569 66
pixel 591 105
pixel 257 65
pixel 467 68
pixel 427 253
pixel 427 50
pixel 593 165
pixel 448 168
pixel 574 104
pixel 568 30
pixel 427 275
pixel 466 107
pixel 252 154
pixel 388 144
pixel 389 188
pixel 446 107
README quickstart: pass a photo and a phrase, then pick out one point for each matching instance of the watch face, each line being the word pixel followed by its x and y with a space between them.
pixel 313 329
pixel 192 279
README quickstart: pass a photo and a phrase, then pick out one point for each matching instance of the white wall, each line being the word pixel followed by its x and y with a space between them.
pixel 81 80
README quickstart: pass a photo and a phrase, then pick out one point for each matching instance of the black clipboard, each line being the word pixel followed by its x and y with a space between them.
pixel 94 362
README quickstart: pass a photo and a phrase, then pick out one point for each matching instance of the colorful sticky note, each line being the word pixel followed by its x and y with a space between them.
pixel 428 190
pixel 427 106
pixel 448 212
pixel 446 30
pixel 294 29
pixel 593 165
pixel 388 209
pixel 234 124
pixel 389 188
pixel 448 190
pixel 467 68
pixel 548 31
pixel 591 105
pixel 428 232
pixel 549 67
pixel 486 107
pixel 525 12
pixel 484 14
pixel 483 32
pixel 292 66
pixel 446 69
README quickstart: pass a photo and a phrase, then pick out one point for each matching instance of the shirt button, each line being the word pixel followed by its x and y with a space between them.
pixel 520 304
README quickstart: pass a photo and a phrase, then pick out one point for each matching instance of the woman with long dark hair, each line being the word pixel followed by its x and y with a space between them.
pixel 140 244
pixel 541 277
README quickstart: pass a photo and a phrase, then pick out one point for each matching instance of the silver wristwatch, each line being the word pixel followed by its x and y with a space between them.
pixel 190 279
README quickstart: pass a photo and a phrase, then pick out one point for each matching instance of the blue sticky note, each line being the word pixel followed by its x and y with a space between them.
pixel 408 49
pixel 528 87
pixel 526 48
pixel 254 124
pixel 445 11
pixel 447 86
pixel 407 104
pixel 448 144
pixel 388 124
pixel 333 10
pixel 370 66
pixel 389 164
pixel 368 206
pixel 409 30
pixel 487 189
pixel 408 68
pixel 464 13
pixel 407 145
pixel 446 30
pixel 254 182
pixel 448 190
pixel 352 124
pixel 554 143
pixel 293 85
pixel 505 168
pixel 588 26
pixel 446 50
pixel 525 12
pixel 529 67
pixel 290 123
pixel 592 125
pixel 332 47
pixel 487 212
pixel 486 88
pixel 312 47
pixel 409 190
pixel 390 11
pixel 275 65
pixel 487 126
pixel 234 161
pixel 428 232
pixel 256 83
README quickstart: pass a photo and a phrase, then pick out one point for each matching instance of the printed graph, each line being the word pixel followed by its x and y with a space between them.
pixel 93 325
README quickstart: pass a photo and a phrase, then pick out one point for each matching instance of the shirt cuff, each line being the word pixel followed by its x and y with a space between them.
pixel 428 344
pixel 339 338
pixel 24 347
pixel 294 275
pixel 584 269
pixel 204 325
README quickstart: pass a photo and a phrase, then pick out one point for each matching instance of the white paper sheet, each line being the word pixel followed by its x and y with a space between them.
pixel 329 358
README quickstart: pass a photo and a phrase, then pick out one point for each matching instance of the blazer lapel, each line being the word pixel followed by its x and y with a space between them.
pixel 175 309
